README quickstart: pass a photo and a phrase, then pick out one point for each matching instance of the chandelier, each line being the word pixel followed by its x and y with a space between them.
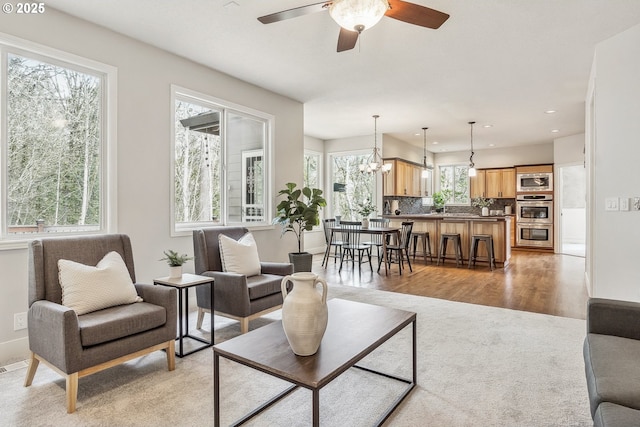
pixel 472 166
pixel 375 163
pixel 358 15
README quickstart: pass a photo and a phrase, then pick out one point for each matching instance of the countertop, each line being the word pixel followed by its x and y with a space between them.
pixel 449 216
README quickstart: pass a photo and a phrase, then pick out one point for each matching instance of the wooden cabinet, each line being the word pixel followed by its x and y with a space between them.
pixel 500 183
pixel 478 187
pixel 404 179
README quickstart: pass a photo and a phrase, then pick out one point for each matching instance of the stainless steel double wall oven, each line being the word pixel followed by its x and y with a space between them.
pixel 534 225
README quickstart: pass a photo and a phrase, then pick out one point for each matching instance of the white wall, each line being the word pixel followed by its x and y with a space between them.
pixel 144 78
pixel 569 150
pixel 394 147
pixel 500 157
pixel 613 159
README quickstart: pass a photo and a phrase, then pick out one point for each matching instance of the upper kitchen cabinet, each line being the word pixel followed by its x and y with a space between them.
pixel 501 183
pixel 404 179
pixel 478 187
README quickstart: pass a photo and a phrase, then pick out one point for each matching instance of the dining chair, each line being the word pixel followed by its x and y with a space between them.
pixel 332 241
pixel 351 231
pixel 400 248
pixel 375 239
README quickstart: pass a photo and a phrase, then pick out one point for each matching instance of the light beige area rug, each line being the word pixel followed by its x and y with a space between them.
pixel 477 366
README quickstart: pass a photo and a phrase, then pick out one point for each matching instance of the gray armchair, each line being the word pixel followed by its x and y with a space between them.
pixel 79 345
pixel 234 295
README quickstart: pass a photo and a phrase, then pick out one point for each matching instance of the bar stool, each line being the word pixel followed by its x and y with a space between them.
pixel 488 244
pixel 426 245
pixel 444 238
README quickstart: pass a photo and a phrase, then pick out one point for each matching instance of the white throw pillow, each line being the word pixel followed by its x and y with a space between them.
pixel 239 256
pixel 86 288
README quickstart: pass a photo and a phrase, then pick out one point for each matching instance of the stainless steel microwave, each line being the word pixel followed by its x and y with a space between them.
pixel 534 182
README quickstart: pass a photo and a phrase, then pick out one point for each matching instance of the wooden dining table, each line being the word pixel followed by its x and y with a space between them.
pixel 385 231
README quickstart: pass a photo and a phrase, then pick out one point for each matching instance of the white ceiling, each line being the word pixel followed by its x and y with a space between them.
pixel 498 62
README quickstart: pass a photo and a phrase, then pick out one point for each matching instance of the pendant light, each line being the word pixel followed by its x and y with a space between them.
pixel 375 164
pixel 472 166
pixel 425 170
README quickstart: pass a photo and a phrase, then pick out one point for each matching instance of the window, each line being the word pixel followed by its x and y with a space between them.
pixel 312 169
pixel 56 148
pixel 350 186
pixel 220 163
pixel 455 180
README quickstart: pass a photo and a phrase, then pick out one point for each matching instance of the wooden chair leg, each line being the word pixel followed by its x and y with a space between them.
pixel 244 325
pixel 31 370
pixel 72 392
pixel 201 318
pixel 171 355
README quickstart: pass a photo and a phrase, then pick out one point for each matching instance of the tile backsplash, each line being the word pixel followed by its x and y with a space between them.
pixel 413 205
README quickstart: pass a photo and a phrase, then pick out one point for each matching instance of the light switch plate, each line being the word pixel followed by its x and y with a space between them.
pixel 624 203
pixel 611 204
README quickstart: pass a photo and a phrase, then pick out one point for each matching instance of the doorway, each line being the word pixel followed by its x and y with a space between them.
pixel 572 203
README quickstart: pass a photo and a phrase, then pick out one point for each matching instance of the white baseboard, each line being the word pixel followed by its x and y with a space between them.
pixel 14 351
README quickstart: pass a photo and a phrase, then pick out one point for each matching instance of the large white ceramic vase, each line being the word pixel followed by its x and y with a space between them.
pixel 304 312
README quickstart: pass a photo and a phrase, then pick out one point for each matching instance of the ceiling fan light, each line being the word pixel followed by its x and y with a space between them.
pixel 358 15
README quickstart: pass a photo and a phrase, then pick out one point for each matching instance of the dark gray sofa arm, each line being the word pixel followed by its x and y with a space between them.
pixel 613 317
pixel 54 334
pixel 277 268
pixel 231 293
pixel 163 296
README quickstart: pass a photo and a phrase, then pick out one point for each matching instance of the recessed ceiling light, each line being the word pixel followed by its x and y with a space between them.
pixel 550 111
pixel 487 126
pixel 416 134
pixel 435 142
pixel 492 145
pixel 555 131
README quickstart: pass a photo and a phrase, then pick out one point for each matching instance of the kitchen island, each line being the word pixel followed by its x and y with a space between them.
pixel 466 225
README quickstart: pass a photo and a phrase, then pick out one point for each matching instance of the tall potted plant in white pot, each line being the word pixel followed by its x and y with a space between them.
pixel 297 213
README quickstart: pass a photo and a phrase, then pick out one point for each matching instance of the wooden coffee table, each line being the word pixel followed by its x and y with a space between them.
pixel 354 330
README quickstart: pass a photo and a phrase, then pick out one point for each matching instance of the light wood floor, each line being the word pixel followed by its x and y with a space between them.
pixel 534 281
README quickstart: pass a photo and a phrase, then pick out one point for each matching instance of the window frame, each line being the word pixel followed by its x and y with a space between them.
pixel 321 186
pixel 468 189
pixel 108 148
pixel 319 155
pixel 226 107
pixel 329 180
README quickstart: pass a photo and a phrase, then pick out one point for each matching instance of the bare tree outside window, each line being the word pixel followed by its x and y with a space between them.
pixel 54 122
pixel 456 179
pixel 350 186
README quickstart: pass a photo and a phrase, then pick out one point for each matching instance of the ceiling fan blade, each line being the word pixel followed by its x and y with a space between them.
pixel 347 39
pixel 416 14
pixel 293 13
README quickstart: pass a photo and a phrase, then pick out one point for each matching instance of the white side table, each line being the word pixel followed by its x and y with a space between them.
pixel 182 284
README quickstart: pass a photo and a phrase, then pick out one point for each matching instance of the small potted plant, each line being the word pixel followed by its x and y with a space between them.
pixel 484 203
pixel 175 261
pixel 365 209
pixel 299 211
pixel 440 199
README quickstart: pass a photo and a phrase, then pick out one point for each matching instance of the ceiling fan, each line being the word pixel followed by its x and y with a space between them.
pixel 355 16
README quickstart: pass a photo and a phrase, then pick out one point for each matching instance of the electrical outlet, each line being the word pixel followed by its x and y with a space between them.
pixel 624 203
pixel 611 204
pixel 19 321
